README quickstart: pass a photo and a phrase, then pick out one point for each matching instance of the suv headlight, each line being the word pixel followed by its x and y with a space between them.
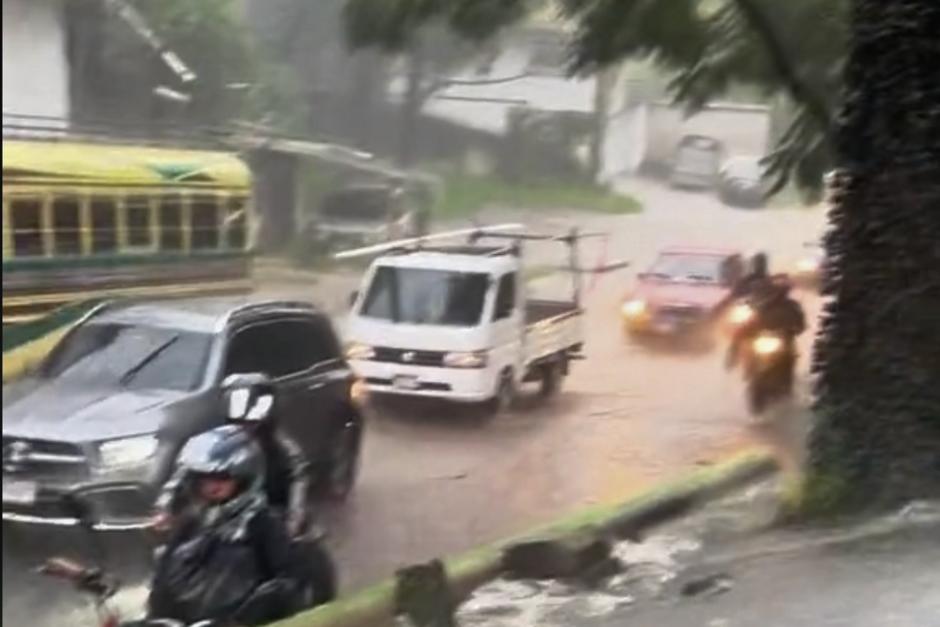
pixel 357 351
pixel 474 359
pixel 126 452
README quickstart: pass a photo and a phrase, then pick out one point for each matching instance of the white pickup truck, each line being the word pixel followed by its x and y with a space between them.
pixel 454 322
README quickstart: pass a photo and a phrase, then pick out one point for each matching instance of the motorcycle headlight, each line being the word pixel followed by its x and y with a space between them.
pixel 475 359
pixel 767 344
pixel 126 452
pixel 741 313
pixel 633 308
pixel 357 351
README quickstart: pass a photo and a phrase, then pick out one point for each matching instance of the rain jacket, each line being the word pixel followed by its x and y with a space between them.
pixel 238 569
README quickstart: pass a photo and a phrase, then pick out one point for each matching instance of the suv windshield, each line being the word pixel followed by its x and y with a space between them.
pixel 419 296
pixel 136 356
pixel 695 268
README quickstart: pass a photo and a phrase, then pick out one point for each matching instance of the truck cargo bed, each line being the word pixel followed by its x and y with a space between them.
pixel 539 310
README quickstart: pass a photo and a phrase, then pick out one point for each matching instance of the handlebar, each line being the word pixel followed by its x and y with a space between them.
pixel 90 580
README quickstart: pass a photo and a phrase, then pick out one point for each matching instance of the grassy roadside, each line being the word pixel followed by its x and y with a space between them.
pixel 466 195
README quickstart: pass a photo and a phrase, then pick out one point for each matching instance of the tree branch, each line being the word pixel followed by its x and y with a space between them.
pixel 781 61
pixel 484 81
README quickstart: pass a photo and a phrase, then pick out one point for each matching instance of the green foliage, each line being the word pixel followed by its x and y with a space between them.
pixel 467 195
pixel 114 72
pixel 818 495
pixel 210 38
pixel 391 24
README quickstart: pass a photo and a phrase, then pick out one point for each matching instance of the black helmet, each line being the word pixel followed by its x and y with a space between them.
pixel 226 451
pixel 249 398
pixel 782 284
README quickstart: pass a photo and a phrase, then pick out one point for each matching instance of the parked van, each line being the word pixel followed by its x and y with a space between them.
pixel 697 162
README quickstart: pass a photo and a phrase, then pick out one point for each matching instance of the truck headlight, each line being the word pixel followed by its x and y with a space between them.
pixel 357 351
pixel 475 359
pixel 126 452
pixel 633 308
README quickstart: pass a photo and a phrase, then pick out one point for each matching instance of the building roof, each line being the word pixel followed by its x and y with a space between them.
pixel 89 163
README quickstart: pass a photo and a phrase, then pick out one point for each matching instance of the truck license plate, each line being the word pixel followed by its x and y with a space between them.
pixel 19 492
pixel 405 382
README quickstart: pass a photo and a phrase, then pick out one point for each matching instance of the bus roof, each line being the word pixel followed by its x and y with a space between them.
pixel 86 163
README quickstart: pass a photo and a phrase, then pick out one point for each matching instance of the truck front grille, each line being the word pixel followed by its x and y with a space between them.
pixel 407 356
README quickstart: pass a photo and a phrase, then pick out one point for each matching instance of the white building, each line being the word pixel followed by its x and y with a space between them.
pixel 35 63
pixel 637 131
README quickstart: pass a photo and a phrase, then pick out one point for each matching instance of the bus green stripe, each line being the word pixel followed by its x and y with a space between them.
pixel 110 261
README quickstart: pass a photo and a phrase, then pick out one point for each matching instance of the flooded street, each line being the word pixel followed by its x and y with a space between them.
pixel 436 480
pixel 439 482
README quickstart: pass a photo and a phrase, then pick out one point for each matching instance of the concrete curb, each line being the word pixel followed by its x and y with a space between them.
pixel 374 606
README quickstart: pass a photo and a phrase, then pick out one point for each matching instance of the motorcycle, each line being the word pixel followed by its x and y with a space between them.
pixel 102 586
pixel 769 359
pixel 93 581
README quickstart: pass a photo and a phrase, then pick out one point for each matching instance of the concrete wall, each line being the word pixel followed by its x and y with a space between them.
pixel 35 66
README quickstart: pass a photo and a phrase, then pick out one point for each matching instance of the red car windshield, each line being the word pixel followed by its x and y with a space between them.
pixel 687 268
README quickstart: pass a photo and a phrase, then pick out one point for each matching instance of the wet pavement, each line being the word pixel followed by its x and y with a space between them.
pixel 727 567
pixel 438 480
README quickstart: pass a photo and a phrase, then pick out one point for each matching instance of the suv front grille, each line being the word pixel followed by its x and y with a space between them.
pixel 43 460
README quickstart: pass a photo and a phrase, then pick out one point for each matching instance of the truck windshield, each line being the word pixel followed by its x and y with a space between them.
pixel 135 356
pixel 419 296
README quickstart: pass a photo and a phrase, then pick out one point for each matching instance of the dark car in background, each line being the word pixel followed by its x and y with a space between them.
pixel 369 213
pixel 125 389
pixel 742 182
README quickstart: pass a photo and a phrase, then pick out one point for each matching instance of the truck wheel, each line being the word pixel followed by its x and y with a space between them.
pixel 505 395
pixel 552 374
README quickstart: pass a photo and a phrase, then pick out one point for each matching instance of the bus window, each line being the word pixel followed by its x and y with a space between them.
pixel 103 225
pixel 235 221
pixel 204 223
pixel 171 224
pixel 26 219
pixel 138 222
pixel 66 225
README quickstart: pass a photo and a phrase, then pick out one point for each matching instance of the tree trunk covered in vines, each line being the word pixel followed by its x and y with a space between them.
pixel 877 436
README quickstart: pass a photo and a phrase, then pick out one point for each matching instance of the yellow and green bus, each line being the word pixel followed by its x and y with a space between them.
pixel 94 220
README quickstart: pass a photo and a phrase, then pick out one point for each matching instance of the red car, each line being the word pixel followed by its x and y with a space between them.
pixel 685 290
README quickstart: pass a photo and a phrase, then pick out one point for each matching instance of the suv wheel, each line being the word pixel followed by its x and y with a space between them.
pixel 343 467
